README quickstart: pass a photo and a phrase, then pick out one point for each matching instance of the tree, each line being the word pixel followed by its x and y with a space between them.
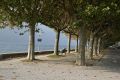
pixel 69 42
pixel 20 11
pixel 58 19
pixel 91 15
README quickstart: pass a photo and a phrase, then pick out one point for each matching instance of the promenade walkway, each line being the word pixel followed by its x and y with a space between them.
pixel 61 68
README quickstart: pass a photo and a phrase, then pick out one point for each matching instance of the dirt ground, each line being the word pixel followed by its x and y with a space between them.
pixel 48 67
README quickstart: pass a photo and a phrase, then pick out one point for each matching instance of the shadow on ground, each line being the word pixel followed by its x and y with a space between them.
pixel 110 62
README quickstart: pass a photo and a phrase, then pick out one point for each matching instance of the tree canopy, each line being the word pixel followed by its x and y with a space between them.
pixel 91 20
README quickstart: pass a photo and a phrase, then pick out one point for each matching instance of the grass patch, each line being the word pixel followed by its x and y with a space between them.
pixel 35 60
pixel 55 56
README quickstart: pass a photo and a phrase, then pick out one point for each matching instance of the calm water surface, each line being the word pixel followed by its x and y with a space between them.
pixel 11 41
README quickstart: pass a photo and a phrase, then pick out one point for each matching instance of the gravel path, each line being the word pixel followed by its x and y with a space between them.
pixel 61 68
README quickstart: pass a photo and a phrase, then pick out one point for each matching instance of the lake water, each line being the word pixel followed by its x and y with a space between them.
pixel 11 41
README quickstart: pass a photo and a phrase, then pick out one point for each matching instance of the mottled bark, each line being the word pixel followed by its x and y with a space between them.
pixel 81 54
pixel 99 42
pixel 91 45
pixel 87 45
pixel 56 47
pixel 76 49
pixel 69 42
pixel 31 44
pixel 96 46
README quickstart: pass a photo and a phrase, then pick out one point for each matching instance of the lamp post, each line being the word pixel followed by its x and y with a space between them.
pixel 39 40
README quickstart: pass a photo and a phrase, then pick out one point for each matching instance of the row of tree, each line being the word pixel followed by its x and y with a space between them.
pixel 94 23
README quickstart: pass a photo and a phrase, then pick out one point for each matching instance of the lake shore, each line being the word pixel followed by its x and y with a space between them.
pixel 4 56
pixel 22 54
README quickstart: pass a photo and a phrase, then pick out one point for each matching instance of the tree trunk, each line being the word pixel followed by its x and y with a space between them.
pixel 99 42
pixel 96 46
pixel 91 45
pixel 101 45
pixel 76 50
pixel 56 47
pixel 81 54
pixel 31 44
pixel 87 45
pixel 69 41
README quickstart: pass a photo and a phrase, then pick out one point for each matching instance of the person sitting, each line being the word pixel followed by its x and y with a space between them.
pixel 64 51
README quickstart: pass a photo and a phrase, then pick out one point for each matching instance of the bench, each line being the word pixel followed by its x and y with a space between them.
pixel 64 51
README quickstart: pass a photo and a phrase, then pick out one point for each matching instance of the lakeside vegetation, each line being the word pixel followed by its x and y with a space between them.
pixel 95 24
